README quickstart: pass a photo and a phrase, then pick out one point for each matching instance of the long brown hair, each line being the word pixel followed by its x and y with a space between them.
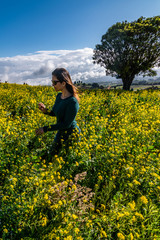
pixel 63 76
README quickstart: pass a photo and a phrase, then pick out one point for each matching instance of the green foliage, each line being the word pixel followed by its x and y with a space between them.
pixel 128 49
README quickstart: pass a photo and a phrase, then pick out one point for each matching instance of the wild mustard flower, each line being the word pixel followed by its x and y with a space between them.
pixel 44 221
pixel 139 215
pixel 120 215
pixel 46 196
pixel 119 137
pixel 136 182
pixel 103 233
pixel 131 237
pixel 132 205
pixel 60 203
pixel 74 187
pixel 5 230
pixel 89 223
pixel 74 216
pixel 76 230
pixel 68 238
pixel 103 206
pixel 134 219
pixel 100 177
pixel 120 236
pixel 144 200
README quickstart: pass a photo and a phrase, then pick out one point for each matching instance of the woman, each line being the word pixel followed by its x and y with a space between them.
pixel 65 109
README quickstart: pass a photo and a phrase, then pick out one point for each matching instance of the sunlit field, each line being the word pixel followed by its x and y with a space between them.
pixel 106 187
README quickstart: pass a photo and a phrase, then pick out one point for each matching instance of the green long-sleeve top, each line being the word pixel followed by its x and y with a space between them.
pixel 65 110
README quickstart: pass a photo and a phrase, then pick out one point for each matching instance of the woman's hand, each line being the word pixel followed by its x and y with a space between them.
pixel 39 131
pixel 42 107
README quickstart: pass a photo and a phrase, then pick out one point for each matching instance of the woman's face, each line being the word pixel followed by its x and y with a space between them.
pixel 58 86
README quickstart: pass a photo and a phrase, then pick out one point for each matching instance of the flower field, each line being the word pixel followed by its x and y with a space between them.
pixel 106 187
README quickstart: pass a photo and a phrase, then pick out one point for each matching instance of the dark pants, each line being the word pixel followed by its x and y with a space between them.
pixel 62 140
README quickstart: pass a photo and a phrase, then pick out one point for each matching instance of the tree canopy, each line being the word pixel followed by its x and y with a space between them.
pixel 130 49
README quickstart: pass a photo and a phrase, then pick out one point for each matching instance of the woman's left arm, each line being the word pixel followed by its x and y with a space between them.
pixel 70 114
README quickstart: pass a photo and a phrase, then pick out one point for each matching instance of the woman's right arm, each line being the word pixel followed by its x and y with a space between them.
pixel 43 108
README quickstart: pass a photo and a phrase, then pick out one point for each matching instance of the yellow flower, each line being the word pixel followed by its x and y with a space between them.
pixel 74 187
pixel 103 233
pixel 74 216
pixel 89 223
pixel 68 238
pixel 76 230
pixel 139 215
pixel 5 230
pixel 60 203
pixel 104 218
pixel 4 198
pixel 131 236
pixel 136 182
pixel 131 169
pixel 134 219
pixel 144 199
pixel 120 236
pixel 100 177
pixel 103 206
pixel 46 196
pixel 132 205
pixel 119 216
pixel 55 206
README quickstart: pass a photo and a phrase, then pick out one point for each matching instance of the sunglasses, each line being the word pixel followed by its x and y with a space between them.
pixel 54 82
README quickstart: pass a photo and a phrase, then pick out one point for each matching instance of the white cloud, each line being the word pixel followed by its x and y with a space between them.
pixel 36 68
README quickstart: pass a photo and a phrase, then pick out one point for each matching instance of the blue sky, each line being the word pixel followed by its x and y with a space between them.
pixel 40 27
pixel 35 25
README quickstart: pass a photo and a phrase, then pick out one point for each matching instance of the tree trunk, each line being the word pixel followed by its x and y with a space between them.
pixel 127 83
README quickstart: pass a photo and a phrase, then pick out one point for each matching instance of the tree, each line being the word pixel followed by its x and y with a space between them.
pixel 95 85
pixel 130 49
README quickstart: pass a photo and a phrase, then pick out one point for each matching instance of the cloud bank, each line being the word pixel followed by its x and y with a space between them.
pixel 36 68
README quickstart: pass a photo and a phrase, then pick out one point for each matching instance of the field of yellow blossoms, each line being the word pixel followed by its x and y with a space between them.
pixel 106 187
